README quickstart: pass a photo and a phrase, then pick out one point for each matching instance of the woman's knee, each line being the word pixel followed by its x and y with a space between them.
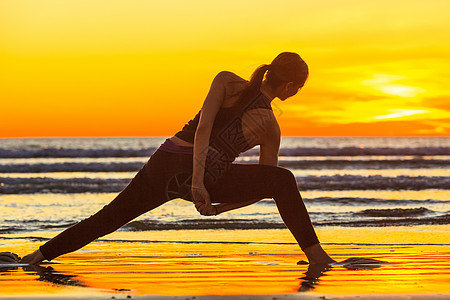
pixel 279 180
pixel 282 175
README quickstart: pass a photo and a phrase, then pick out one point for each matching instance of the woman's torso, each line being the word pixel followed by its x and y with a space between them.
pixel 249 126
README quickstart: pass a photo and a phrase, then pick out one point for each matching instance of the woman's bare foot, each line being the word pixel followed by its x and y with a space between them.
pixel 33 259
pixel 316 255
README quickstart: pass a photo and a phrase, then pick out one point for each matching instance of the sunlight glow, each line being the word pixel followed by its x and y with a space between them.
pixel 398 113
pixel 143 68
pixel 382 79
pixel 387 84
pixel 401 90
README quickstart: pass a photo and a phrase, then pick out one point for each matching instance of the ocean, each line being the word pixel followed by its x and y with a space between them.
pixel 49 184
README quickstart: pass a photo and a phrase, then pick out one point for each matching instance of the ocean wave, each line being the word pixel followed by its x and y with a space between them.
pixel 202 224
pixel 311 165
pixel 71 167
pixel 386 221
pixel 380 219
pixel 367 164
pixel 356 201
pixel 375 182
pixel 338 182
pixel 238 224
pixel 50 185
pixel 41 225
pixel 352 151
pixel 394 212
pixel 294 151
pixel 73 152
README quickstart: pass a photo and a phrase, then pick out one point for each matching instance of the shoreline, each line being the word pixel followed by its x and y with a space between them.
pixel 252 264
pixel 309 296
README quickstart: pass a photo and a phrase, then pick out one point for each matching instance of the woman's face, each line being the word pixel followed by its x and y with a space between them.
pixel 288 90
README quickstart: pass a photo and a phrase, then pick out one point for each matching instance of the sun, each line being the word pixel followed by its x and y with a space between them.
pixel 400 90
pixel 387 84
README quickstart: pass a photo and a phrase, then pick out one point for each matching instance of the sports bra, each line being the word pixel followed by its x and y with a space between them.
pixel 227 124
pixel 226 141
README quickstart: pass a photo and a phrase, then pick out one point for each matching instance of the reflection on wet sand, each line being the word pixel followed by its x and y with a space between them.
pixel 315 271
pixel 251 262
pixel 49 274
pixel 309 281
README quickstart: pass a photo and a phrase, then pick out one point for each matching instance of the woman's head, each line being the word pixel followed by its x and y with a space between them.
pixel 285 76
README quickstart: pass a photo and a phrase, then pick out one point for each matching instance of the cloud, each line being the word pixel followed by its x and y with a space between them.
pixel 442 102
pixel 399 113
pixel 309 127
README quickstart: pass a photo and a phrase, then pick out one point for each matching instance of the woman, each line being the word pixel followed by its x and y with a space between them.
pixel 196 163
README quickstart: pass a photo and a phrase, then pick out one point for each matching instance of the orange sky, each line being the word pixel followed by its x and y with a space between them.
pixel 143 68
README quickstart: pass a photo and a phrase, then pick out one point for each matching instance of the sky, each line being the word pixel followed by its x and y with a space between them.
pixel 102 68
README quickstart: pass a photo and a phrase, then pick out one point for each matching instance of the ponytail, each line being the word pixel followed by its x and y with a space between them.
pixel 252 89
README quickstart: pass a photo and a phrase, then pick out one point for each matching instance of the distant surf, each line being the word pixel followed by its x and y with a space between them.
pixel 337 182
pixel 50 184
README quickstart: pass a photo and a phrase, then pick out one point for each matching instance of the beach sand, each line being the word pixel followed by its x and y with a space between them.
pixel 237 264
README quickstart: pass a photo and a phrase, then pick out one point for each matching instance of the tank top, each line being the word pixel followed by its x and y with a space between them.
pixel 226 141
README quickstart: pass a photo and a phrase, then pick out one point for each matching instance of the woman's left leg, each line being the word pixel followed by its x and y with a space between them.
pixel 243 182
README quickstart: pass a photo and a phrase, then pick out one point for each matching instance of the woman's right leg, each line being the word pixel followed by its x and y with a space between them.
pixel 146 191
pixel 132 202
pixel 125 207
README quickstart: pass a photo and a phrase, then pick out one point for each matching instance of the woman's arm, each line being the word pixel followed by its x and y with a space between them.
pixel 268 155
pixel 211 106
pixel 270 144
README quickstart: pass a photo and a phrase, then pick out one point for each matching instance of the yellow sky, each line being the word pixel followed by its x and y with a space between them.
pixel 143 68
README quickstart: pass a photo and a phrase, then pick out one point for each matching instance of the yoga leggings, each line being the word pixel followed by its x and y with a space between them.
pixel 167 176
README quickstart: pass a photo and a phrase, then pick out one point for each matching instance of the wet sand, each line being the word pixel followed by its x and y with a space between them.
pixel 237 264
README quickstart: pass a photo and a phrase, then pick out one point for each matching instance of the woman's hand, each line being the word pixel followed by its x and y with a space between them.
pixel 202 201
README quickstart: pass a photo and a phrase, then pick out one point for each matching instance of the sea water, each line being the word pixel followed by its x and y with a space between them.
pixel 49 184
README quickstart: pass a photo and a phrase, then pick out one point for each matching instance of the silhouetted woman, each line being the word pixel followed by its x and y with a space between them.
pixel 196 164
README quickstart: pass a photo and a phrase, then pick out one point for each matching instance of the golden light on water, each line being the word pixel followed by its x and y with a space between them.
pixel 181 263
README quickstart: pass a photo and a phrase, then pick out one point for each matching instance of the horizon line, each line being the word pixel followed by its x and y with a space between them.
pixel 165 136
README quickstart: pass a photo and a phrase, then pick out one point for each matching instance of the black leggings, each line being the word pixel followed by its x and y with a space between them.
pixel 167 176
